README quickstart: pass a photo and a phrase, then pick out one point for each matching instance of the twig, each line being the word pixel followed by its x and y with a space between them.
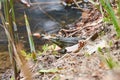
pixel 37 3
pixel 68 30
pixel 77 5
pixel 85 27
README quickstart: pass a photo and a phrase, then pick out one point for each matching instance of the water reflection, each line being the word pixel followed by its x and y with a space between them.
pixel 49 16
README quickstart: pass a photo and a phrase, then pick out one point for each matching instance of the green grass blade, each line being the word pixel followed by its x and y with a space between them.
pixel 31 42
pixel 12 10
pixel 106 5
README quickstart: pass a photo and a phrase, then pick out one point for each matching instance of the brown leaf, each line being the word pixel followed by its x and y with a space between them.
pixel 102 65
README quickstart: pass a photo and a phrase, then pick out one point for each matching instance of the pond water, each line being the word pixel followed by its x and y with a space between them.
pixel 45 16
pixel 49 17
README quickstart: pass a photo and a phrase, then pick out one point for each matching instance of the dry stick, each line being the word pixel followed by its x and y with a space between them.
pixel 84 28
pixel 77 5
pixel 64 31
pixel 57 2
pixel 68 30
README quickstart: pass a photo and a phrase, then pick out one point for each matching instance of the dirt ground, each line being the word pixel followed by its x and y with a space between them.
pixel 81 65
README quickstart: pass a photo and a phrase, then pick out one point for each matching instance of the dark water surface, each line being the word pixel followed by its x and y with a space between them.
pixel 43 18
pixel 48 17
